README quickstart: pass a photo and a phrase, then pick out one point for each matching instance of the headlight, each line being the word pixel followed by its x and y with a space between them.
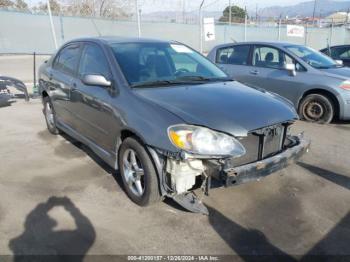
pixel 345 85
pixel 203 141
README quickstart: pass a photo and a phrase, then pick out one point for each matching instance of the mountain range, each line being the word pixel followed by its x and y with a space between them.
pixel 323 8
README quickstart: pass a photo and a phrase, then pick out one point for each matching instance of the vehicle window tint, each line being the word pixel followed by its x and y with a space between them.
pixel 265 56
pixel 68 59
pixel 312 57
pixel 235 55
pixel 94 62
pixel 147 62
pixel 325 51
pixel 340 52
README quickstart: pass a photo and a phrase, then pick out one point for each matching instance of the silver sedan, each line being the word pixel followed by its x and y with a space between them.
pixel 318 86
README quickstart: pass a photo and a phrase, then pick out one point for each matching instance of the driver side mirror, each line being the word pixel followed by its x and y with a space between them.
pixel 339 62
pixel 291 69
pixel 96 80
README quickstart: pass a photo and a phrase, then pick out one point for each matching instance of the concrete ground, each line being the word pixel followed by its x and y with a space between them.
pixel 58 197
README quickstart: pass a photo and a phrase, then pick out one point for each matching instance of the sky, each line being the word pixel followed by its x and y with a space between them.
pixel 148 6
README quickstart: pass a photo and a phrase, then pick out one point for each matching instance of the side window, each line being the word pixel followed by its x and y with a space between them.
pixel 234 55
pixel 265 56
pixel 94 62
pixel 340 52
pixel 68 59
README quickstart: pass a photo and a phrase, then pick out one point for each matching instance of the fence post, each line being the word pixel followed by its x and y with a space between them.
pixel 52 26
pixel 138 15
pixel 201 27
pixel 306 33
pixel 35 88
pixel 331 33
pixel 279 29
pixel 62 31
pixel 245 27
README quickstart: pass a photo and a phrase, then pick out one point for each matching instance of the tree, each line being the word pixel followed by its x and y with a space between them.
pixel 55 7
pixel 6 4
pixel 237 14
pixel 21 5
pixel 103 8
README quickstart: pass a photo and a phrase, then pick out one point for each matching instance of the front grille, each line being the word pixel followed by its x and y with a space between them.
pixel 261 144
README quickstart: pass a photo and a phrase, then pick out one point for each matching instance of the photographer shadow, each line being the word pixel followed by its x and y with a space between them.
pixel 41 242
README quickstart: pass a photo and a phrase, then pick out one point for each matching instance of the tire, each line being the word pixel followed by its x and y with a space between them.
pixel 50 116
pixel 141 173
pixel 316 108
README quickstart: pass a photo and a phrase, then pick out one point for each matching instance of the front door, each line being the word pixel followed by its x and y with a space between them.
pixel 268 71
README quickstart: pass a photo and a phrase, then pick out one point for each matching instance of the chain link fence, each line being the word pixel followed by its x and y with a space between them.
pixel 25 33
pixel 28 33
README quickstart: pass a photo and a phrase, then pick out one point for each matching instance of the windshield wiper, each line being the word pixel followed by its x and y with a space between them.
pixel 203 78
pixel 156 83
pixel 180 80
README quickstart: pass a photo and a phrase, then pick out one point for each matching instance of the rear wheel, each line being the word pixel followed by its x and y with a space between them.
pixel 316 108
pixel 50 116
pixel 138 173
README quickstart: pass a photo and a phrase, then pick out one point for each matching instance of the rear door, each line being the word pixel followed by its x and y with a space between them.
pixel 92 103
pixel 234 60
pixel 61 75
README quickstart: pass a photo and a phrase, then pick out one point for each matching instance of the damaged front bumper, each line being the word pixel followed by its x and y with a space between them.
pixel 254 171
pixel 179 177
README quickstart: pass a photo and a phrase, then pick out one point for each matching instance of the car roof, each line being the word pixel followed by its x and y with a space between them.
pixel 120 39
pixel 277 44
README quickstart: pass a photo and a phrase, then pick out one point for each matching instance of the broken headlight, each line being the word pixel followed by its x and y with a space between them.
pixel 204 141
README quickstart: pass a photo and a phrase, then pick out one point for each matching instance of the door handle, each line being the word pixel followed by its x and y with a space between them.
pixel 254 72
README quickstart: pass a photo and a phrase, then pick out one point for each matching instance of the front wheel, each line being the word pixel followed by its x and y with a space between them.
pixel 138 173
pixel 316 108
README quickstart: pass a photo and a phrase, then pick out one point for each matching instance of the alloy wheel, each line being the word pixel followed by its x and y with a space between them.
pixel 133 172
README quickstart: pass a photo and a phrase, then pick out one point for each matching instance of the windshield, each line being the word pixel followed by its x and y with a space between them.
pixel 313 57
pixel 152 64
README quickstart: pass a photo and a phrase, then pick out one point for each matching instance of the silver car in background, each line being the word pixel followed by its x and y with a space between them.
pixel 317 85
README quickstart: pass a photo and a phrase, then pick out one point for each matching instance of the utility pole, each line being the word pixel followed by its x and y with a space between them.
pixel 313 13
pixel 279 27
pixel 51 22
pixel 138 15
pixel 183 11
pixel 201 26
pixel 229 13
pixel 245 23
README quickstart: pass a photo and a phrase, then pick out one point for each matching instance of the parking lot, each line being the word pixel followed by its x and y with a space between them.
pixel 57 195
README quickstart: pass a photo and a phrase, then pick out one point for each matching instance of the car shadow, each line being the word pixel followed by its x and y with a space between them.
pixel 114 173
pixel 40 237
pixel 335 245
pixel 253 245
pixel 99 161
pixel 336 178
pixel 249 244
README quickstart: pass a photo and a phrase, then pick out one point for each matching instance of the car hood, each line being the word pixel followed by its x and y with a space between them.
pixel 229 107
pixel 339 72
